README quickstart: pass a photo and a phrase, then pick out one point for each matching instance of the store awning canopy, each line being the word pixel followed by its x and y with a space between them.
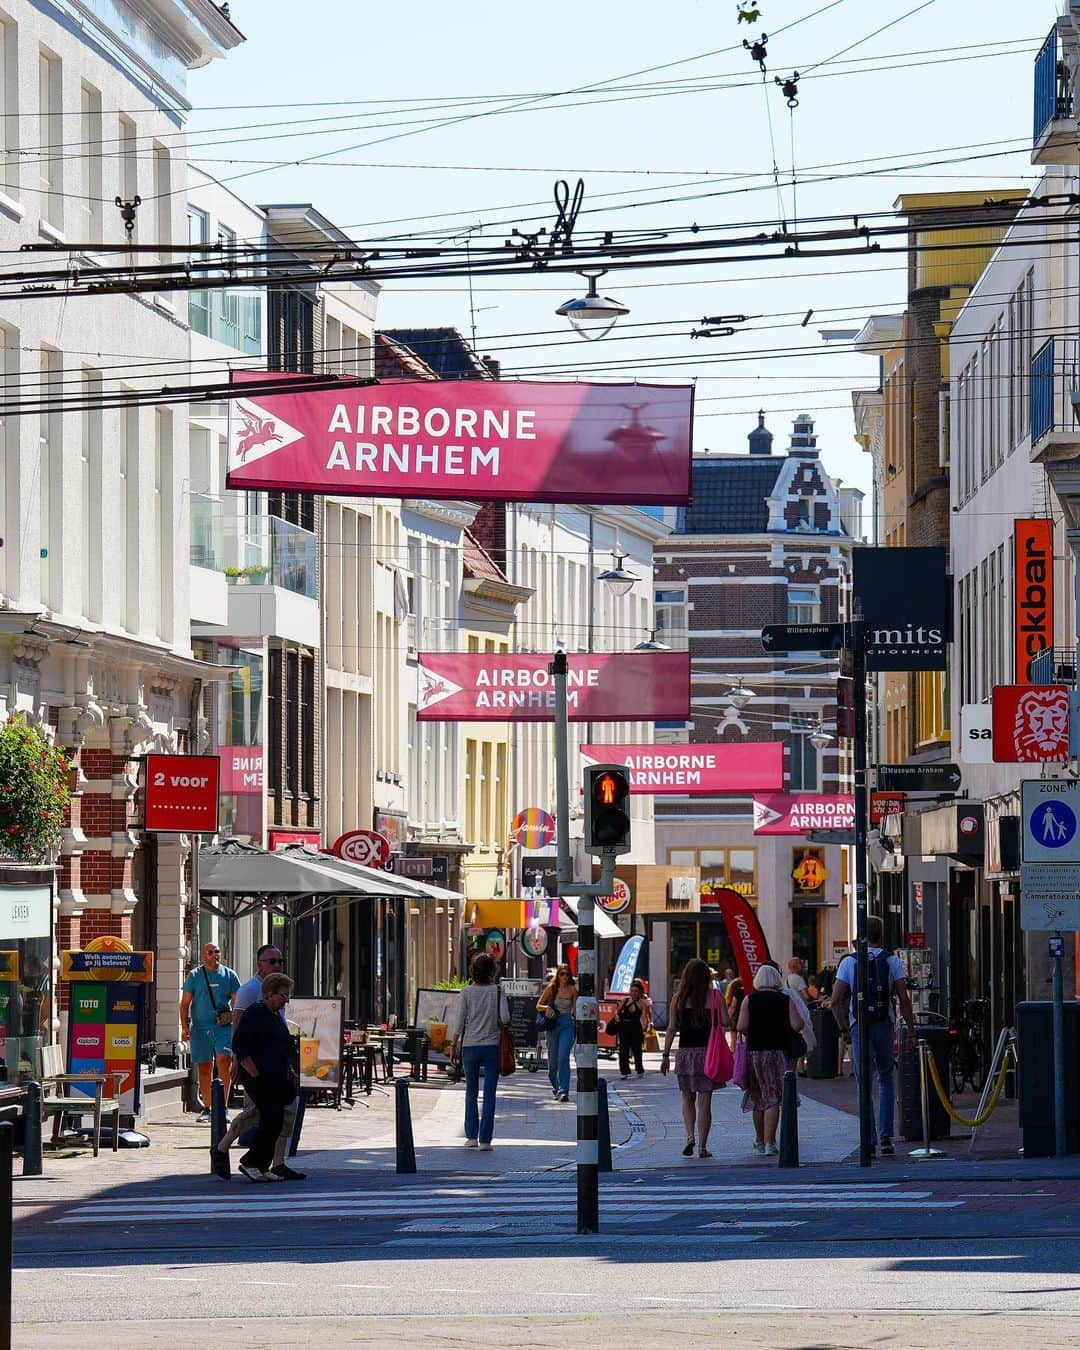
pixel 605 926
pixel 384 883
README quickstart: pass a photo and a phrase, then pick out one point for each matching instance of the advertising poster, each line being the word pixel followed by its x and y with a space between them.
pixel 436 1010
pixel 321 1024
pixel 104 1034
pixel 521 995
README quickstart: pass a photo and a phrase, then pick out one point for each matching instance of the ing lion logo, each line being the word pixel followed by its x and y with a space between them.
pixel 1041 728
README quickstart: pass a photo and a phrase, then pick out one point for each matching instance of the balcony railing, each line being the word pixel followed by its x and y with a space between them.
pixel 207 532
pixel 231 317
pixel 1053 90
pixel 1055 376
pixel 1054 665
pixel 263 551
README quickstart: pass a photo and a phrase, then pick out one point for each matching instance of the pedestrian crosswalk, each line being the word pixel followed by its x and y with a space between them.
pixel 498 1209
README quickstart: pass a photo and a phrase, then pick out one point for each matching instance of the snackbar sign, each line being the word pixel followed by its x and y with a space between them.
pixel 1033 553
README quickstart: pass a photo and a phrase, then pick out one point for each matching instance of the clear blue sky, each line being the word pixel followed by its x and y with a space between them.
pixel 396 158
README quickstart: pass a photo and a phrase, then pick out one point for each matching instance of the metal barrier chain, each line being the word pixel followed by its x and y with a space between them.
pixel 981 1119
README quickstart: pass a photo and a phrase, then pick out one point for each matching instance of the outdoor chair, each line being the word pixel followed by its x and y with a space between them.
pixel 66 1102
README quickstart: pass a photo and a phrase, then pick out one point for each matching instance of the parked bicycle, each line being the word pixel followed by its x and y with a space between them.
pixel 967 1056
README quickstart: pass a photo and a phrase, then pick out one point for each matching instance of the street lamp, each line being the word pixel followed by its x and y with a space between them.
pixel 617 579
pixel 738 695
pixel 652 645
pixel 594 315
pixel 820 738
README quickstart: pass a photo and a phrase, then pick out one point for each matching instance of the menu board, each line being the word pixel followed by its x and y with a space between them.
pixel 521 996
pixel 321 1039
pixel 436 1012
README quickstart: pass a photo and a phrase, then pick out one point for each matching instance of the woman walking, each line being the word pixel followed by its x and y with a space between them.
pixel 557 1003
pixel 733 1001
pixel 690 1017
pixel 767 1019
pixel 632 1021
pixel 482 1009
pixel 263 1051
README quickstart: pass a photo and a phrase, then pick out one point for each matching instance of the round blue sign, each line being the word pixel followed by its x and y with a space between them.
pixel 1052 825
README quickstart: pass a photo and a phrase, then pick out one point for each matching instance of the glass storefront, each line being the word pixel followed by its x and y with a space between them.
pixel 26 950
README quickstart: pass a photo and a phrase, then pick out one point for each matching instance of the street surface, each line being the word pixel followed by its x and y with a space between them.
pixel 482 1248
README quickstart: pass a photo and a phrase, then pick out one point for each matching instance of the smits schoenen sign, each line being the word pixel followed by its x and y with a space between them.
pixel 903 593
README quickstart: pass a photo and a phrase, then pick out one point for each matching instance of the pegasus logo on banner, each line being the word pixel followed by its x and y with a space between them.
pixel 434 688
pixel 257 433
pixel 1041 727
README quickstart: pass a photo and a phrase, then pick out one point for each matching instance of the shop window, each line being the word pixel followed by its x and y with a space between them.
pixel 25 979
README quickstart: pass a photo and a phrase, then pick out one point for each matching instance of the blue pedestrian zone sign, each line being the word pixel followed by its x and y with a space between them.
pixel 1051 811
pixel 1053 825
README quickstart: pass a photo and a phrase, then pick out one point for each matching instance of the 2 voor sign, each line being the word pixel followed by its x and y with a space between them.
pixel 181 793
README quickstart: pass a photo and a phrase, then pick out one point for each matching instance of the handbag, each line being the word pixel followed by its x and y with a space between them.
pixel 611 1027
pixel 718 1059
pixel 796 1046
pixel 652 1042
pixel 740 1074
pixel 507 1051
pixel 222 1016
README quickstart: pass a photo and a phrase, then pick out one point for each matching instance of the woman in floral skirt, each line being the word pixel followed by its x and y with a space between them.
pixel 767 1020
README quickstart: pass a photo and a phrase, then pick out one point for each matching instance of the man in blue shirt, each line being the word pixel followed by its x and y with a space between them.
pixel 882 1029
pixel 206 1007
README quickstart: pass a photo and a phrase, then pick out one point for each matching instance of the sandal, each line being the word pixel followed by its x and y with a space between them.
pixel 688 1151
pixel 704 1153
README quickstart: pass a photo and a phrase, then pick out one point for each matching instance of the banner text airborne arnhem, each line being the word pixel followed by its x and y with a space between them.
pixel 668 770
pixel 454 453
pixel 529 688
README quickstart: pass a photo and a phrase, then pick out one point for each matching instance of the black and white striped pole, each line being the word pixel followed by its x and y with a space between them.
pixel 607 834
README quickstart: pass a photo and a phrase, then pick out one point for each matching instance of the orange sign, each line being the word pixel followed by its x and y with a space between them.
pixel 809 873
pixel 1033 611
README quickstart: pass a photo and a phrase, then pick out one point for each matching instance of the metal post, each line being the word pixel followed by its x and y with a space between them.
pixel 995 1064
pixel 604 1123
pixel 32 1160
pixel 405 1152
pixel 1060 1143
pixel 789 1122
pixel 926 1151
pixel 857 630
pixel 218 1121
pixel 7 1140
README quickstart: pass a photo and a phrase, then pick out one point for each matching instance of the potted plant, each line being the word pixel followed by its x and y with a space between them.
pixel 34 792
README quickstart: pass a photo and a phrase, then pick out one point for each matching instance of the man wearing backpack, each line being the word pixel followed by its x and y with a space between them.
pixel 887 980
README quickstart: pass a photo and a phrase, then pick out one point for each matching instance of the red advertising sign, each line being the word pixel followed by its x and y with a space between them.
pixel 482 439
pixel 363 846
pixel 916 941
pixel 747 939
pixel 182 793
pixel 780 813
pixel 283 838
pixel 241 769
pixel 884 804
pixel 507 687
pixel 1033 613
pixel 690 770
pixel 1031 723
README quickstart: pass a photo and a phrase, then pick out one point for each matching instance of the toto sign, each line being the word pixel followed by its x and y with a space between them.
pixel 366 847
pixel 482 439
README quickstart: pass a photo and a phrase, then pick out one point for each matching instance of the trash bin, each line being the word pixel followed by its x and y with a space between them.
pixel 910 1104
pixel 824 1060
pixel 1035 1077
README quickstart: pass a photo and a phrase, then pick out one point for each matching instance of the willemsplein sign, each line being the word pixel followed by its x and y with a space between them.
pixel 480 439
pixel 1033 611
pixel 903 596
pixel 687 770
pixel 509 687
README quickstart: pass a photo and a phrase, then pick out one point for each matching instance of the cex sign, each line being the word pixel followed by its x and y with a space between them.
pixel 181 793
pixel 1031 723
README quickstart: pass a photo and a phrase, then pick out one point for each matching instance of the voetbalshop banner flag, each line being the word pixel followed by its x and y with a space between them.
pixel 508 687
pixel 747 939
pixel 480 439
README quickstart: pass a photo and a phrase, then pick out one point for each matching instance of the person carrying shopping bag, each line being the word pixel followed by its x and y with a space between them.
pixel 557 1004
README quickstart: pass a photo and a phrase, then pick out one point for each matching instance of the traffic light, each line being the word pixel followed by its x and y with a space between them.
pixel 607 812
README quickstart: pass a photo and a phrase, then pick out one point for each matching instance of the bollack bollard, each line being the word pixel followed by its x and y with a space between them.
pixel 404 1150
pixel 298 1125
pixel 603 1127
pixel 7 1143
pixel 32 1161
pixel 218 1123
pixel 789 1122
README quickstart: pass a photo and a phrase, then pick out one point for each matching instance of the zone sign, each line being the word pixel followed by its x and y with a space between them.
pixel 182 793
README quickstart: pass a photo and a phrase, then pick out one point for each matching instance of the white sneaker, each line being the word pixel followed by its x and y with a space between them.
pixel 471 1143
pixel 484 1148
pixel 771 1150
pixel 253 1173
pixel 759 1148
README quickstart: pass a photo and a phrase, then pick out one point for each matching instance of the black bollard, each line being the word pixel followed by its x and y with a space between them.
pixel 31 1158
pixel 218 1121
pixel 7 1142
pixel 603 1127
pixel 404 1150
pixel 298 1125
pixel 789 1122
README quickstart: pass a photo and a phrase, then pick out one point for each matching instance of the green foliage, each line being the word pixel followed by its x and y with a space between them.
pixel 450 984
pixel 34 792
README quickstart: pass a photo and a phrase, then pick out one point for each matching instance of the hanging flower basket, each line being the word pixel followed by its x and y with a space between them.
pixel 34 792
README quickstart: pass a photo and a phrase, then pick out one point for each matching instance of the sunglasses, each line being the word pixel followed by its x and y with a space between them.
pixel 271 960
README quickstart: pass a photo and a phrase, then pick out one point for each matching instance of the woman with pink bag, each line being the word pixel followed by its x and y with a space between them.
pixel 694 1015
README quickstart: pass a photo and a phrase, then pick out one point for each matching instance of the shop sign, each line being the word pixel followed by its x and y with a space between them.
pixel 626 965
pixel 884 804
pixel 687 770
pixel 25 912
pixel 1031 723
pixel 497 440
pixel 366 847
pixel 241 769
pixel 533 828
pixel 915 940
pixel 619 899
pixel 809 873
pixel 902 592
pixel 105 1015
pixel 509 687
pixel 977 733
pixel 780 813
pixel 1033 613
pixel 181 793
pixel 283 838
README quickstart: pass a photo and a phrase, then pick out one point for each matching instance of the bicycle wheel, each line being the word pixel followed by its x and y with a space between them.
pixel 957 1065
pixel 977 1066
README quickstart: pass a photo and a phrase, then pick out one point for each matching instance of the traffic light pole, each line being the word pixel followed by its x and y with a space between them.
pixel 857 646
pixel 588 1171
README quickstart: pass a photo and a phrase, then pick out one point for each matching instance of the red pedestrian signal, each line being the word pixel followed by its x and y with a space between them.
pixel 607 812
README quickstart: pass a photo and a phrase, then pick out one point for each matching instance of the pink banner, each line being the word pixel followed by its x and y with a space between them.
pixel 241 769
pixel 682 770
pixel 506 687
pixel 503 440
pixel 781 813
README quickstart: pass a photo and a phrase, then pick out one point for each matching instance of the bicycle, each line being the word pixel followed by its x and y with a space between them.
pixel 967 1055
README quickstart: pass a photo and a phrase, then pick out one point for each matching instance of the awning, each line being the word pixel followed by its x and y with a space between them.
pixel 605 926
pixel 956 830
pixel 380 883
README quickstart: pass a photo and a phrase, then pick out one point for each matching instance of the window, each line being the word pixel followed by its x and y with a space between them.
pixel 91 163
pixel 804 604
pixel 803 773
pixel 129 167
pixel 163 202
pixel 50 154
pixel 732 867
pixel 9 106
pixel 90 466
pixel 273 723
pixel 50 469
pixel 198 301
pixel 163 520
pixel 669 617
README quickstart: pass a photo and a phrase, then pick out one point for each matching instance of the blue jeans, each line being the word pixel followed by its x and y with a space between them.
pixel 882 1062
pixel 560 1041
pixel 480 1124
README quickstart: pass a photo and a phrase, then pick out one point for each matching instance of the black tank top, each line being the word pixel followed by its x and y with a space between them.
pixel 769 1020
pixel 693 1034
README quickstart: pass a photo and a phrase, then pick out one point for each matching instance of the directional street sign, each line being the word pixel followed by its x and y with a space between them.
pixel 918 777
pixel 1049 897
pixel 1051 810
pixel 803 637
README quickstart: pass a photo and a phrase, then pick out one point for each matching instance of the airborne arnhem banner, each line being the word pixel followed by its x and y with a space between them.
pixel 508 687
pixel 696 769
pixel 493 440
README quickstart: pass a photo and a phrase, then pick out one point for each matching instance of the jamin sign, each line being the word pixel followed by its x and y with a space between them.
pixel 181 793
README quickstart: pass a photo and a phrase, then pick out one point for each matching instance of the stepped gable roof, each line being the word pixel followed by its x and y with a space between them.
pixel 728 495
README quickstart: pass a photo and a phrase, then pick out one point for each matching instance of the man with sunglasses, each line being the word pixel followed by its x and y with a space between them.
pixel 207 1021
pixel 268 960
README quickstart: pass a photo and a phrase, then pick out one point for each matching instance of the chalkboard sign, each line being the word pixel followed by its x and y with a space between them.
pixel 521 996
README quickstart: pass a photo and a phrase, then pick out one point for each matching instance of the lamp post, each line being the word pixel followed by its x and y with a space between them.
pixel 593 315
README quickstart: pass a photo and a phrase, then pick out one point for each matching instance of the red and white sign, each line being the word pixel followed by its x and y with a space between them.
pixel 507 687
pixel 780 813
pixel 1031 723
pixel 367 847
pixel 747 940
pixel 481 439
pixel 283 838
pixel 689 770
pixel 618 900
pixel 1033 615
pixel 916 941
pixel 241 769
pixel 182 793
pixel 884 804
